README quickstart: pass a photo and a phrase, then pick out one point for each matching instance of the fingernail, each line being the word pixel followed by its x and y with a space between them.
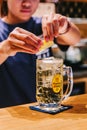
pixel 47 38
pixel 40 42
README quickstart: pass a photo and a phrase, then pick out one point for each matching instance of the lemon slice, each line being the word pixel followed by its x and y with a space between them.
pixel 46 45
pixel 57 83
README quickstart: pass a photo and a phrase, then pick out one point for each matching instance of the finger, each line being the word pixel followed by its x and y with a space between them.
pixel 63 23
pixel 50 26
pixel 44 27
pixel 18 49
pixel 30 41
pixel 26 36
pixel 24 45
pixel 30 50
pixel 22 31
pixel 32 36
pixel 13 40
pixel 56 25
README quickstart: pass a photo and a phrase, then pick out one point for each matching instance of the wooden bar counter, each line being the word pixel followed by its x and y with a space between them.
pixel 22 118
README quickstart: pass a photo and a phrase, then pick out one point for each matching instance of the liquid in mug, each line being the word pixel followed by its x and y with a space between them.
pixel 49 86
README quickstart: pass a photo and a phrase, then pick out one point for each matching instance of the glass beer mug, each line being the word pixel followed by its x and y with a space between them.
pixel 49 83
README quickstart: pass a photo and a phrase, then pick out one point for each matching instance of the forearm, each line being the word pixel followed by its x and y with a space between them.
pixel 3 54
pixel 70 37
pixel 2 58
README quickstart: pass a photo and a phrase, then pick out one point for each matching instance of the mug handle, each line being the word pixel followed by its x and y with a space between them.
pixel 69 73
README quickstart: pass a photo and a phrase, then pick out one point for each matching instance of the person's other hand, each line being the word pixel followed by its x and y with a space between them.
pixel 20 40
